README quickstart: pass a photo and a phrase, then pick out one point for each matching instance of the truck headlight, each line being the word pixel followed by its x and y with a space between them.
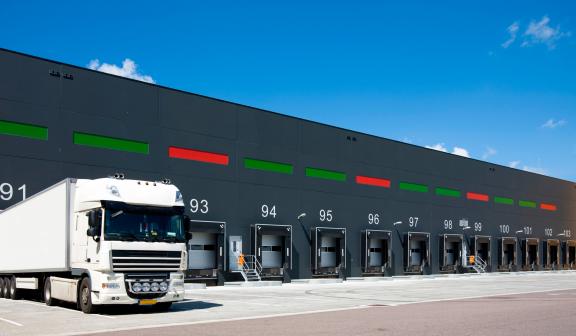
pixel 163 286
pixel 154 287
pixel 146 287
pixel 137 287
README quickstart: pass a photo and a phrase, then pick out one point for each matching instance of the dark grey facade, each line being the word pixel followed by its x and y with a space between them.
pixel 309 168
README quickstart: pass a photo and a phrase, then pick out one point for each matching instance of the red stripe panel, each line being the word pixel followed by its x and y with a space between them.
pixel 196 155
pixel 373 181
pixel 477 197
pixel 549 207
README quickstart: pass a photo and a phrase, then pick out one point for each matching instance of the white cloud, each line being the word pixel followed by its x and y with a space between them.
pixel 553 123
pixel 461 151
pixel 537 32
pixel 456 150
pixel 537 170
pixel 488 153
pixel 438 147
pixel 512 31
pixel 541 33
pixel 129 69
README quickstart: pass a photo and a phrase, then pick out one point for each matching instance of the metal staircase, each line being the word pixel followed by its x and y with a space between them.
pixel 479 265
pixel 251 269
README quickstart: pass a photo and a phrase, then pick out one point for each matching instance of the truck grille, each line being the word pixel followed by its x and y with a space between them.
pixel 129 260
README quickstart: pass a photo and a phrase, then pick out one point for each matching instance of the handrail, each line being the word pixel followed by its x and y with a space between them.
pixel 250 264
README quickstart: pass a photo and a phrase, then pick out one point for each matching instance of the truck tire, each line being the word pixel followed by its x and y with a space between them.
pixel 1 287
pixel 5 285
pixel 47 291
pixel 85 297
pixel 13 292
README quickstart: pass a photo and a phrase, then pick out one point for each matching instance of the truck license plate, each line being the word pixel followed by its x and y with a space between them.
pixel 147 302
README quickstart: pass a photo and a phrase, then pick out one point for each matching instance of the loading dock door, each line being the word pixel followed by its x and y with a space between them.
pixel 481 248
pixel 272 246
pixel 507 250
pixel 551 253
pixel 202 251
pixel 530 254
pixel 206 249
pixel 377 250
pixel 450 252
pixel 417 252
pixel 329 250
pixel 570 254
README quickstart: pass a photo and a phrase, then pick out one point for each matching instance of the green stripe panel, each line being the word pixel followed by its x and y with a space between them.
pixel 100 141
pixel 325 174
pixel 448 192
pixel 503 200
pixel 527 204
pixel 413 187
pixel 23 130
pixel 275 167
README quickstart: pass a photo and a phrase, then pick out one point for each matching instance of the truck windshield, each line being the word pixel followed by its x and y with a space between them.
pixel 134 225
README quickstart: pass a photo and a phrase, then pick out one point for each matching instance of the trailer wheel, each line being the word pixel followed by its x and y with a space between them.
pixel 48 300
pixel 13 292
pixel 5 287
pixel 85 297
pixel 1 287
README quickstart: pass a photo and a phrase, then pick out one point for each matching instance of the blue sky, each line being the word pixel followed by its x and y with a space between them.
pixel 495 79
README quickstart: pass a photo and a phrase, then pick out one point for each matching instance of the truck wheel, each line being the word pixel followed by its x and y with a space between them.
pixel 13 292
pixel 48 300
pixel 85 297
pixel 1 287
pixel 5 286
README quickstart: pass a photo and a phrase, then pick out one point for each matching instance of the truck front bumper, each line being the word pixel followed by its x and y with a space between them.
pixel 116 292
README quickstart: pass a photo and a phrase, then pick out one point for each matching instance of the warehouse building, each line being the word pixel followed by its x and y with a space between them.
pixel 299 198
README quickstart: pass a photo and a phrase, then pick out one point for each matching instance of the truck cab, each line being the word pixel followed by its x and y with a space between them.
pixel 129 240
pixel 106 241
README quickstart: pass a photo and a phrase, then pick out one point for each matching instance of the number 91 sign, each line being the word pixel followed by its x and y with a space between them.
pixel 9 192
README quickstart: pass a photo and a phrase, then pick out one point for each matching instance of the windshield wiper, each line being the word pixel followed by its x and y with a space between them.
pixel 169 239
pixel 124 236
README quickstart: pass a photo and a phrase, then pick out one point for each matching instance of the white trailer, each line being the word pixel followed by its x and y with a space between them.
pixel 96 242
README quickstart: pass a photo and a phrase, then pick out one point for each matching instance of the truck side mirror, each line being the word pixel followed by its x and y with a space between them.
pixel 94 224
pixel 187 225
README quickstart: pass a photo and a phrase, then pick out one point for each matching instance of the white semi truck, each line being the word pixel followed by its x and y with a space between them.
pixel 96 242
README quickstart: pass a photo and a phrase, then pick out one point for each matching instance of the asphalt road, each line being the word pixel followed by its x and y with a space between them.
pixel 551 313
pixel 474 305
